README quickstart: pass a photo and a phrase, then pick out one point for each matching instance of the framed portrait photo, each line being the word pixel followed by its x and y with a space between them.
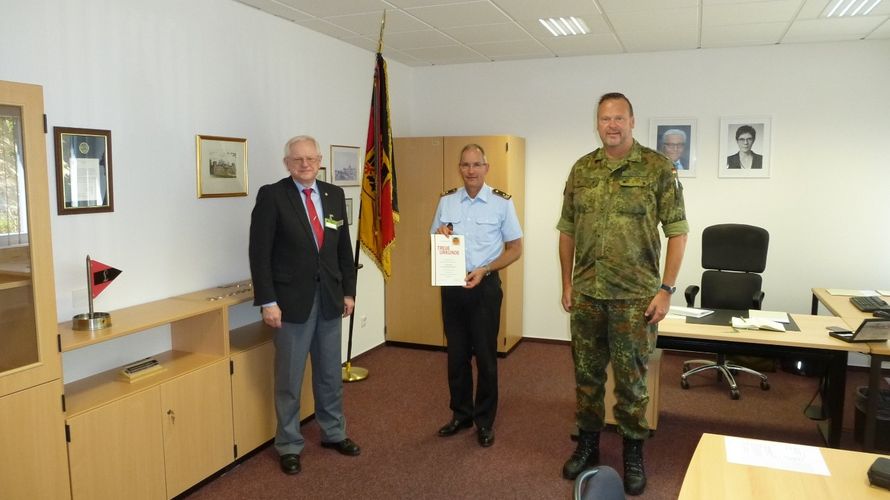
pixel 745 143
pixel 83 170
pixel 677 139
pixel 346 166
pixel 222 166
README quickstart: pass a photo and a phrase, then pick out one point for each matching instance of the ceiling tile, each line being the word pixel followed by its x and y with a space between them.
pixel 369 24
pixel 536 9
pixel 529 47
pixel 583 45
pixel 417 39
pixel 749 13
pixel 327 28
pixel 454 54
pixel 488 33
pixel 613 6
pixel 654 41
pixel 326 8
pixel 742 34
pixel 465 14
pixel 816 30
pixel 407 4
pixel 883 31
pixel 273 7
pixel 665 20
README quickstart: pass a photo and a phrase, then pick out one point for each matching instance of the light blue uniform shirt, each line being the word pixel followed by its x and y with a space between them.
pixel 488 221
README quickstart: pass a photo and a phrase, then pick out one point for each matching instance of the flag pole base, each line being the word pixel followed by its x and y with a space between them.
pixel 91 321
pixel 354 373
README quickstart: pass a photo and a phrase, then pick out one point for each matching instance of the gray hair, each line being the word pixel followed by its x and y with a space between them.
pixel 673 131
pixel 470 147
pixel 300 138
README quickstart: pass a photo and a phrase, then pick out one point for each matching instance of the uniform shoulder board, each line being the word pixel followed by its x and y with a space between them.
pixel 450 191
pixel 502 194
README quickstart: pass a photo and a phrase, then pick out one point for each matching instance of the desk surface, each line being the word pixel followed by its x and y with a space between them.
pixel 812 334
pixel 840 306
pixel 711 477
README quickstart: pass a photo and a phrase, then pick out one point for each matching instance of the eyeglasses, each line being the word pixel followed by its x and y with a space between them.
pixel 745 139
pixel 674 144
pixel 467 166
pixel 300 160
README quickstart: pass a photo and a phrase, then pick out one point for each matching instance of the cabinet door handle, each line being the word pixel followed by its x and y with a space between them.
pixel 172 416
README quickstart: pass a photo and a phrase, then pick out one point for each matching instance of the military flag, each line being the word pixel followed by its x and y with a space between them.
pixel 379 210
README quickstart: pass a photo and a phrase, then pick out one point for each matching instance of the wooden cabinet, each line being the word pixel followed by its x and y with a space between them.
pixel 117 450
pixel 427 167
pixel 174 427
pixel 33 463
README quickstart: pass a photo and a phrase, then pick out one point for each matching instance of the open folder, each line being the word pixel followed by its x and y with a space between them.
pixel 757 324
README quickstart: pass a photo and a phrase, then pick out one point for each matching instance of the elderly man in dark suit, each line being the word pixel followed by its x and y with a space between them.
pixel 304 279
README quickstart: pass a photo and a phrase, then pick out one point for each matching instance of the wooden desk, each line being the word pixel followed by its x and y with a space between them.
pixel 711 477
pixel 840 305
pixel 811 342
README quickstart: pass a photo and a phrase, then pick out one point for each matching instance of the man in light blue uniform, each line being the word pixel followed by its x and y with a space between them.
pixel 471 314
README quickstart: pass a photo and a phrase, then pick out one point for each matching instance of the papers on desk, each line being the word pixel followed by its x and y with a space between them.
pixel 773 455
pixel 757 324
pixel 883 292
pixel 852 293
pixel 691 312
pixel 777 316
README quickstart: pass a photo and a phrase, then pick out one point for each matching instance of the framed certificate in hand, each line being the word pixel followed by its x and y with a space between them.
pixel 448 262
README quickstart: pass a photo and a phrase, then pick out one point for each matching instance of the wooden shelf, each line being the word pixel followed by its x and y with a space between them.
pixel 226 295
pixel 249 336
pixel 105 387
pixel 13 280
pixel 135 319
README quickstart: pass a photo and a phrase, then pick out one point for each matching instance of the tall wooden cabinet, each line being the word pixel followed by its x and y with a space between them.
pixel 33 463
pixel 426 167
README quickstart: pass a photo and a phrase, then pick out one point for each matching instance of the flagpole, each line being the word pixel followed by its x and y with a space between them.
pixel 91 320
pixel 90 284
pixel 355 373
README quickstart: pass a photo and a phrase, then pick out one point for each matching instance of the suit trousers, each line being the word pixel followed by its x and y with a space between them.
pixel 471 318
pixel 320 339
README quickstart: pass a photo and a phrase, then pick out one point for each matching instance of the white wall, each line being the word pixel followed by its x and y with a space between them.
pixel 829 108
pixel 156 74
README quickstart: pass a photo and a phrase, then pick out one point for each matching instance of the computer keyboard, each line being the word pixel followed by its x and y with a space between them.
pixel 870 303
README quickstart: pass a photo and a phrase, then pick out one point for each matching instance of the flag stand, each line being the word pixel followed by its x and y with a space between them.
pixel 352 373
pixel 91 320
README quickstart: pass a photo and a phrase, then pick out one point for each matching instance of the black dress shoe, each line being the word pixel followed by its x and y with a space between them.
pixel 453 427
pixel 290 463
pixel 485 436
pixel 345 447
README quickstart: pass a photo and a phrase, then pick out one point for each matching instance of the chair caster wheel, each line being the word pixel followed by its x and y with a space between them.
pixel 684 383
pixel 764 385
pixel 734 394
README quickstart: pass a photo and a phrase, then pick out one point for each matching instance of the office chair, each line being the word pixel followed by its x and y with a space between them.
pixel 732 255
pixel 599 483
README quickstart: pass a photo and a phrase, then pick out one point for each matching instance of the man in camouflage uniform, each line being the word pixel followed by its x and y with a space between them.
pixel 609 249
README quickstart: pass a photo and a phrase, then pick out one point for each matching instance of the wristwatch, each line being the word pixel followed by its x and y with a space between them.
pixel 669 289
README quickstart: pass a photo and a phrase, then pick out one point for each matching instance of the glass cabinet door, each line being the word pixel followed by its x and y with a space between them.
pixel 28 326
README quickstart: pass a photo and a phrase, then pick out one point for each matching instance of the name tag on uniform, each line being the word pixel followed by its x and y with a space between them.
pixel 332 223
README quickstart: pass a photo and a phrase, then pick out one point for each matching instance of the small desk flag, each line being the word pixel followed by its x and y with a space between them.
pixel 102 276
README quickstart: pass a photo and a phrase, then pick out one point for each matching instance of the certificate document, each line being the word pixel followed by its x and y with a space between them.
pixel 448 261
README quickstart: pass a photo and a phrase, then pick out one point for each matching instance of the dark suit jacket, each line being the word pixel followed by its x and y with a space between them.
pixel 285 265
pixel 733 161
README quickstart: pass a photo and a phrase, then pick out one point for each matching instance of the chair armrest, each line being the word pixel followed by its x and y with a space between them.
pixel 690 293
pixel 758 299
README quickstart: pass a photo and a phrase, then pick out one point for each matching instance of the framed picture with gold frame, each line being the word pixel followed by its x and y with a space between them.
pixel 346 166
pixel 221 165
pixel 83 170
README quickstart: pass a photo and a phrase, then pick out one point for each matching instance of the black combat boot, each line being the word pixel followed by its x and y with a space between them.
pixel 587 454
pixel 634 475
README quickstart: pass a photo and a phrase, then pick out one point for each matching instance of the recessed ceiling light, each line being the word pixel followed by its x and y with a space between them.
pixel 849 8
pixel 565 26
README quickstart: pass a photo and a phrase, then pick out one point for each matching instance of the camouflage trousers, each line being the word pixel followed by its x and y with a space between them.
pixel 616 331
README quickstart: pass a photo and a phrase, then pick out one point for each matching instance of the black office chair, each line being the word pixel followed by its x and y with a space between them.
pixel 599 483
pixel 732 255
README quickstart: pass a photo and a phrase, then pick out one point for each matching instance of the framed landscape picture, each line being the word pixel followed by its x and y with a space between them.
pixel 222 166
pixel 346 166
